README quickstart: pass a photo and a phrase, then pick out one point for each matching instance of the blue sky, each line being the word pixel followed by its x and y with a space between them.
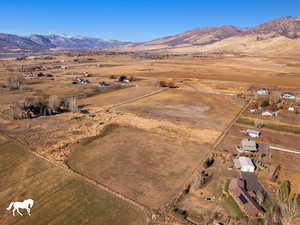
pixel 135 20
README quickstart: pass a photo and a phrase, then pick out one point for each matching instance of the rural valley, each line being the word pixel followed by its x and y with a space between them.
pixel 200 128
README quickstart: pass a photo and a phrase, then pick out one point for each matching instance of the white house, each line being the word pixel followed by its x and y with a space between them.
pixel 267 113
pixel 291 108
pixel 253 133
pixel 245 164
pixel 288 95
pixel 263 91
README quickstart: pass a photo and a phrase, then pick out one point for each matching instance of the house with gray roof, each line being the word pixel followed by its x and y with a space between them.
pixel 247 145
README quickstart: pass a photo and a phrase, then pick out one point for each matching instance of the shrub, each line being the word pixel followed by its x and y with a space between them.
pixel 208 162
pixel 264 103
pixel 163 83
pixel 285 190
pixel 122 78
pixel 172 84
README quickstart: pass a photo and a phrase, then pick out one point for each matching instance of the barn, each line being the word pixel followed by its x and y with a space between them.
pixel 245 164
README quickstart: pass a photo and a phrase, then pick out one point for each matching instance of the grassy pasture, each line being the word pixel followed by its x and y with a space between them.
pixel 60 198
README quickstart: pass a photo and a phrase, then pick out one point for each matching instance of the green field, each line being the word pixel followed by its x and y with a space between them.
pixel 60 198
pixel 234 208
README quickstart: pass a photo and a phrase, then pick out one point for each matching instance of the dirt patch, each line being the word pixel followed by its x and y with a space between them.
pixel 185 107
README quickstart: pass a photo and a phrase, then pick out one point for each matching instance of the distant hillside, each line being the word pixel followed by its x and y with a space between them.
pixel 15 43
pixel 201 36
pixel 10 42
pixel 287 27
pixel 279 36
pixel 74 42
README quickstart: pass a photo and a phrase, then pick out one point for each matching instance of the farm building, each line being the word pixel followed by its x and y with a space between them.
pixel 263 91
pixel 80 80
pixel 247 204
pixel 244 164
pixel 253 133
pixel 269 112
pixel 247 146
pixel 103 84
pixel 288 95
pixel 252 110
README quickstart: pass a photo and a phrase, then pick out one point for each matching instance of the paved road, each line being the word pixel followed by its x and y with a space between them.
pixel 285 150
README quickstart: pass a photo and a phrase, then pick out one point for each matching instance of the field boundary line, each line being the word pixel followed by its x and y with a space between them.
pixel 131 100
pixel 145 209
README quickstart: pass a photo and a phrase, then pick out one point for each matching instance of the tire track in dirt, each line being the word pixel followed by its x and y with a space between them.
pixel 130 100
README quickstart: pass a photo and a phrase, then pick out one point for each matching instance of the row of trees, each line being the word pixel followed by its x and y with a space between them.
pixel 289 204
pixel 33 107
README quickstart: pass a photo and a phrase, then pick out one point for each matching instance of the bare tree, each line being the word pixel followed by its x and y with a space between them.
pixel 15 81
pixel 260 197
pixel 72 104
pixel 290 210
pixel 258 123
pixel 17 112
pixel 54 103
pixel 28 101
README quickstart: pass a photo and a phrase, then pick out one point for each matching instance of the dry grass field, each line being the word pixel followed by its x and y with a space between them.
pixel 144 149
pixel 145 166
pixel 115 97
pixel 60 198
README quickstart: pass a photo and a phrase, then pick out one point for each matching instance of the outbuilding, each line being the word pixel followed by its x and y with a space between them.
pixel 253 133
pixel 268 112
pixel 245 164
pixel 288 95
pixel 263 91
pixel 103 84
pixel 247 145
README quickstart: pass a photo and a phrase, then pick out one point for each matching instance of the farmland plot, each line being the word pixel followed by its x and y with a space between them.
pixel 60 198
